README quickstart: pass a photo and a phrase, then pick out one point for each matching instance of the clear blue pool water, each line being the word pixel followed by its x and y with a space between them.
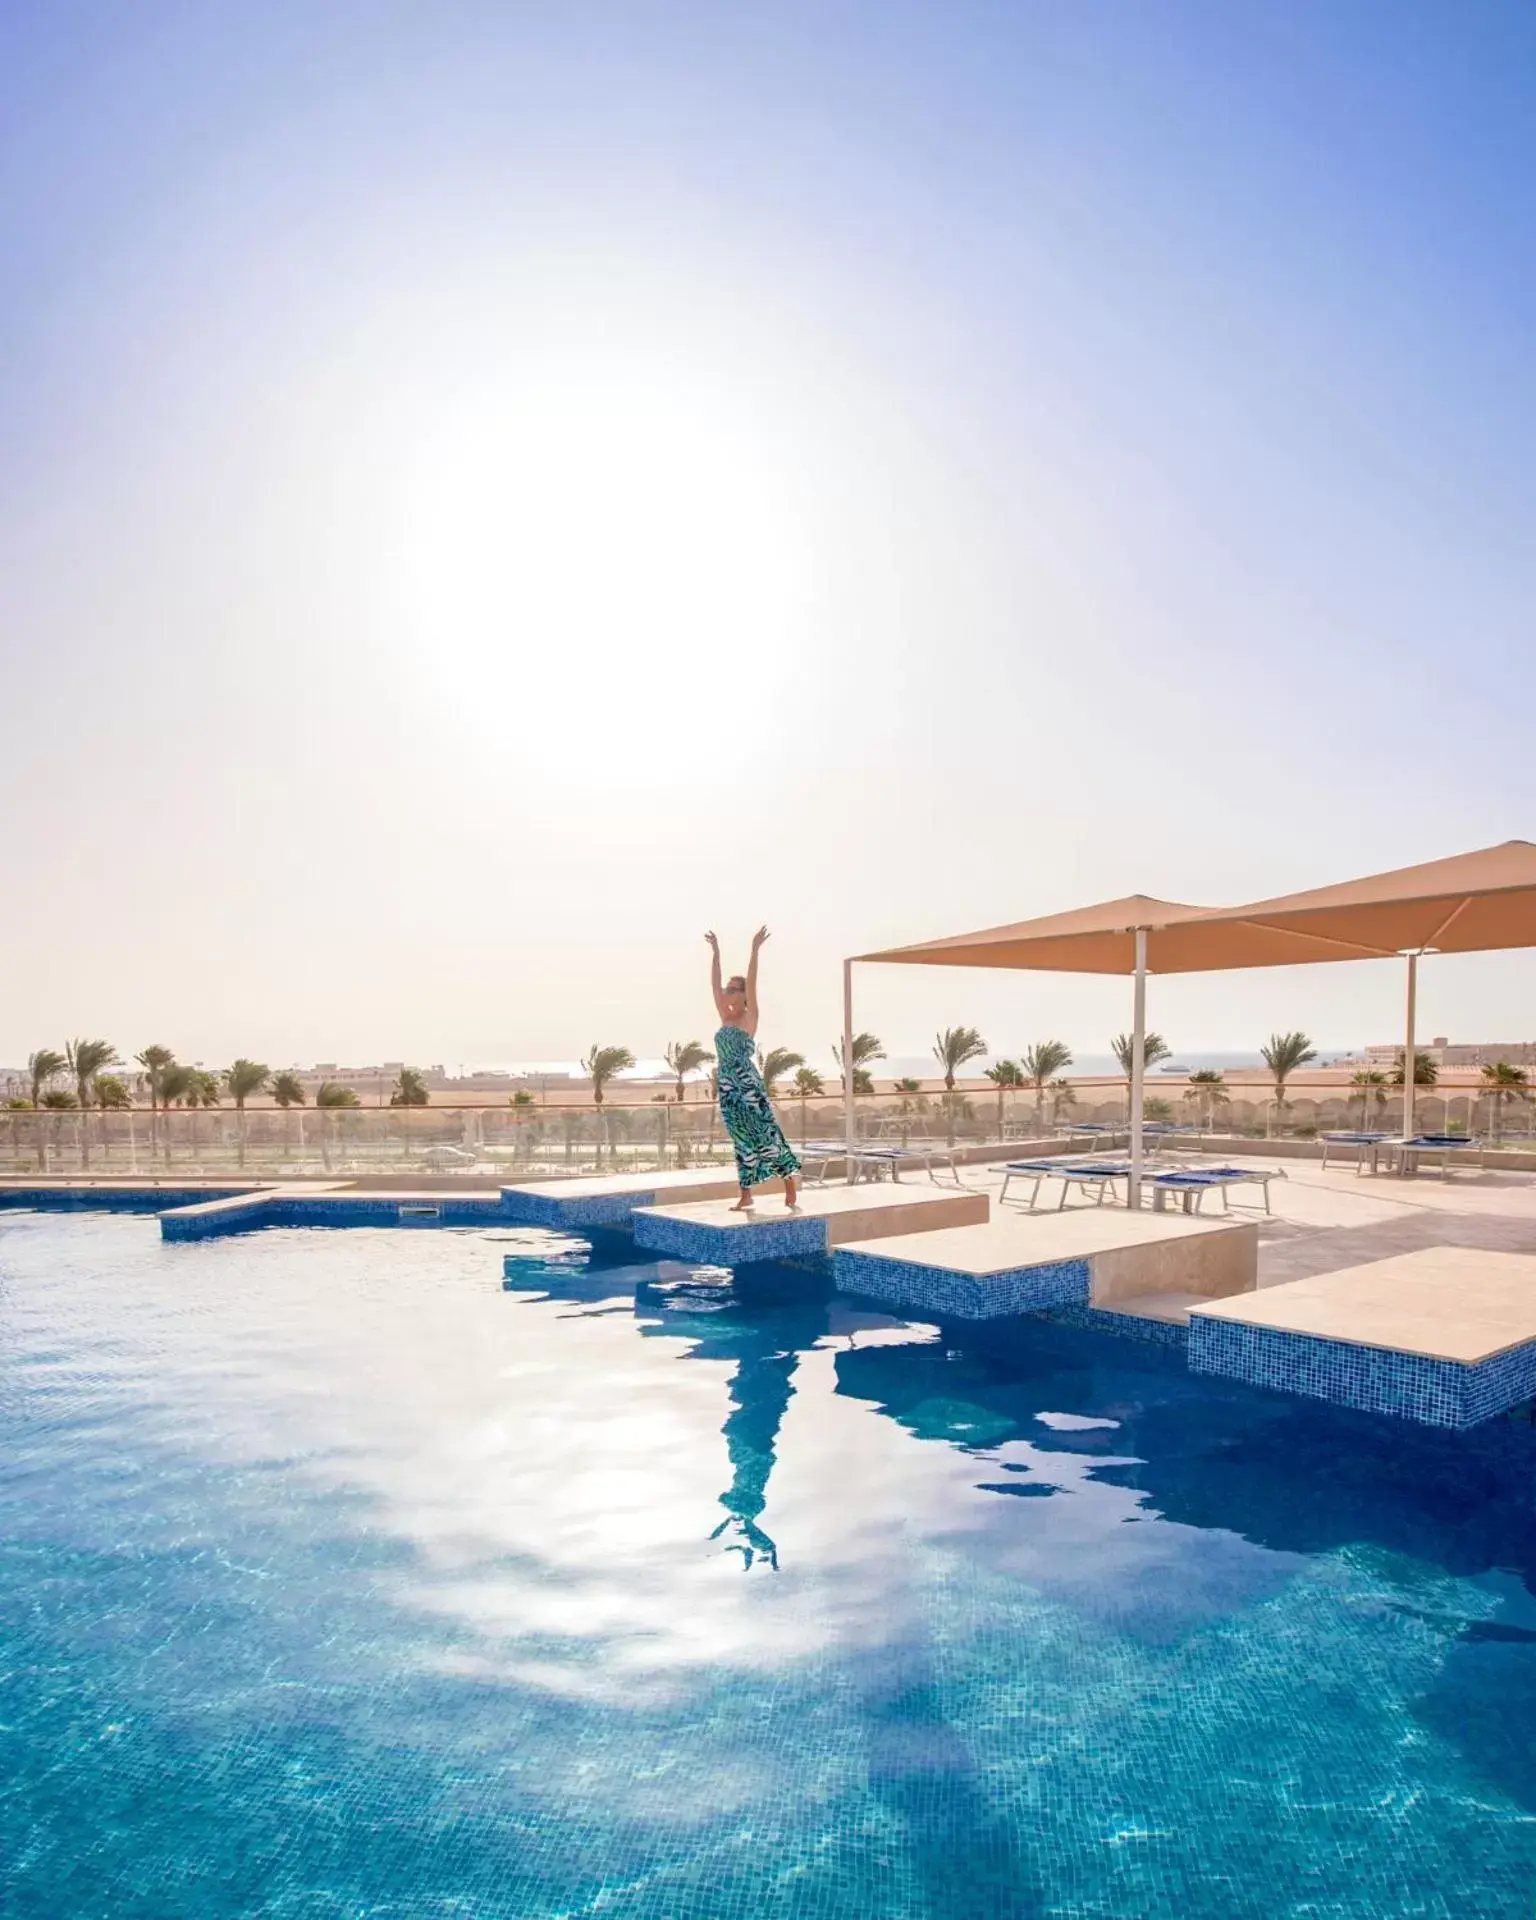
pixel 337 1579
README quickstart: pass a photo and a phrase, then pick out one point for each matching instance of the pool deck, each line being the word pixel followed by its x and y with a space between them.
pixel 714 1234
pixel 608 1200
pixel 1088 1257
pixel 1443 1335
pixel 318 1206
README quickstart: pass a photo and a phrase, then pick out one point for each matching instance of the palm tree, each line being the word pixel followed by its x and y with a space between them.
pixel 1208 1090
pixel 243 1078
pixel 600 1065
pixel 155 1061
pixel 1042 1062
pixel 1062 1096
pixel 86 1059
pixel 57 1101
pixel 1425 1072
pixel 43 1066
pixel 1371 1087
pixel 1004 1075
pixel 1283 1055
pixel 331 1098
pixel 1153 1048
pixel 410 1090
pixel 952 1049
pixel 288 1091
pixel 202 1090
pixel 685 1057
pixel 112 1095
pixel 808 1084
pixel 175 1084
pixel 867 1047
pixel 774 1064
pixel 1504 1082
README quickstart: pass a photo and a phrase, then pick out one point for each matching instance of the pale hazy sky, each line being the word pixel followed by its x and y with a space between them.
pixel 488 491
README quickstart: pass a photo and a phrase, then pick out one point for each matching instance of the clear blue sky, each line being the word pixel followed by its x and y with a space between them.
pixel 489 490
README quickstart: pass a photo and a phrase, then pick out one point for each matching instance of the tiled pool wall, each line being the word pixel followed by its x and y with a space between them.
pixel 1439 1393
pixel 962 1296
pixel 525 1208
pixel 716 1246
pixel 112 1199
pixel 299 1210
pixel 1126 1326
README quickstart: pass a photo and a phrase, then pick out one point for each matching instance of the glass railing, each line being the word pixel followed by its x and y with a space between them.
pixel 490 1143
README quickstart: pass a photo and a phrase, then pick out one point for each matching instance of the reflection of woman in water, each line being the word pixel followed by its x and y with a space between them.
pixel 763 1349
pixel 762 1152
pixel 760 1389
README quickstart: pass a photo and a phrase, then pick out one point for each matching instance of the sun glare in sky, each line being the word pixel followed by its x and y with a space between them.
pixel 606 552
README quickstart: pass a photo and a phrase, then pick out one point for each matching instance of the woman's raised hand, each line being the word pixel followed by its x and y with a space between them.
pixel 714 939
pixel 758 938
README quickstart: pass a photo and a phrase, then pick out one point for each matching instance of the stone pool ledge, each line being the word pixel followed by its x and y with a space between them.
pixel 1098 1258
pixel 1445 1336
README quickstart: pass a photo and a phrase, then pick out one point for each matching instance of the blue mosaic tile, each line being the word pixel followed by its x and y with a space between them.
pixel 393 1210
pixel 199 1222
pixel 526 1207
pixel 961 1296
pixel 334 1210
pixel 1411 1386
pixel 1128 1326
pixel 1508 1380
pixel 110 1199
pixel 716 1246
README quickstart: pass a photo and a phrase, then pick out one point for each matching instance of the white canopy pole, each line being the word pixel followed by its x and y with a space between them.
pixel 1138 1063
pixel 1410 1060
pixel 849 1118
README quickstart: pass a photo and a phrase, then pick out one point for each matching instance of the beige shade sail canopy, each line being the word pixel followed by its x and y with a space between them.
pixel 1471 903
pixel 1468 904
pixel 1098 939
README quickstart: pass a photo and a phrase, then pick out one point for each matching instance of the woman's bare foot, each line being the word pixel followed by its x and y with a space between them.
pixel 743 1205
pixel 791 1199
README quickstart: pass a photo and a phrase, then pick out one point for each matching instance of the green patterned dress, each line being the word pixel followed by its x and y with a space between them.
pixel 762 1152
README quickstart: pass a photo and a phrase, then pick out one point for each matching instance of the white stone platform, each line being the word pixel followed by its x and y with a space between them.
pixel 715 1235
pixel 1021 1263
pixel 1443 1335
pixel 608 1199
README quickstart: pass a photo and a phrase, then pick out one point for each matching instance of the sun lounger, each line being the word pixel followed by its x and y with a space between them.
pixel 927 1155
pixel 1100 1175
pixel 1367 1148
pixel 1191 1185
pixel 874 1162
pixel 1449 1146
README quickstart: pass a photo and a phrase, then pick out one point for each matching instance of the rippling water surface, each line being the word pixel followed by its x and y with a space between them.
pixel 338 1578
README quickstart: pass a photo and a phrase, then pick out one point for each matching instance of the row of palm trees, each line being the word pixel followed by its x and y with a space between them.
pixel 167 1082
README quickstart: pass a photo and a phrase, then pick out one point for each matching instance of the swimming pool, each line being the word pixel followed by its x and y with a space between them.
pixel 340 1578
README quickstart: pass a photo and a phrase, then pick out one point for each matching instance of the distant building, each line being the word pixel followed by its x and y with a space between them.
pixel 1483 1053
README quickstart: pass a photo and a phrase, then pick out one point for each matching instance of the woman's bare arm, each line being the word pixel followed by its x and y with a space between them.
pixel 757 946
pixel 716 985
